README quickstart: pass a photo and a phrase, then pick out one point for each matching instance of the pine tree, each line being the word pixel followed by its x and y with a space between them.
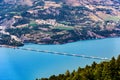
pixel 118 68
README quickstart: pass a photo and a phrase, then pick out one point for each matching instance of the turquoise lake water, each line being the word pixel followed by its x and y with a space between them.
pixel 27 65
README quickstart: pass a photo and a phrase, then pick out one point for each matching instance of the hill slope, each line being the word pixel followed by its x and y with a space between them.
pixel 59 21
pixel 107 70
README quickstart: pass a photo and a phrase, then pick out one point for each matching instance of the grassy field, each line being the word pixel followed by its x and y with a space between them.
pixel 32 23
pixel 113 18
pixel 64 28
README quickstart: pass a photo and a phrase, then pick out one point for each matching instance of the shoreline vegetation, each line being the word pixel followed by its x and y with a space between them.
pixel 22 44
pixel 14 46
pixel 106 70
pixel 36 35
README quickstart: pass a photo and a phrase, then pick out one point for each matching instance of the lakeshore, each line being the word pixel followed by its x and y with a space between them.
pixel 20 64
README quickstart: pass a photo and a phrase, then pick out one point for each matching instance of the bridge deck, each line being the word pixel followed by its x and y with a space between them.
pixel 59 53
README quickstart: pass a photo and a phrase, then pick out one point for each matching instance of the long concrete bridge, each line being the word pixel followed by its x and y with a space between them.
pixel 59 53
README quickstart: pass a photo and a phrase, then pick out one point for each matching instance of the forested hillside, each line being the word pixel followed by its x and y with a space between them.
pixel 106 70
